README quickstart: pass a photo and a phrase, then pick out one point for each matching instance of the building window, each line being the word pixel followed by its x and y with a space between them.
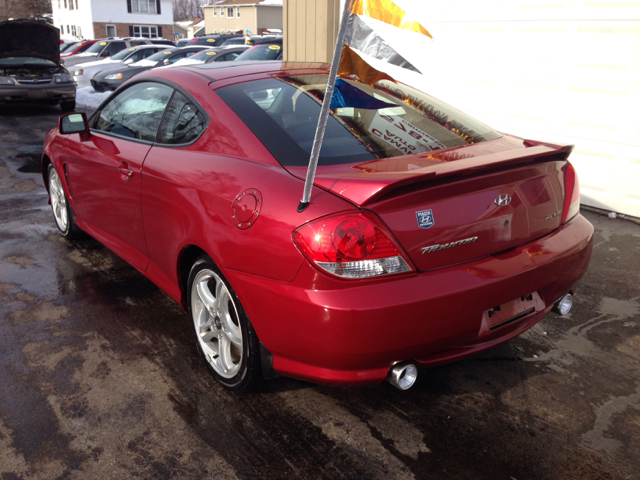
pixel 73 30
pixel 145 31
pixel 215 9
pixel 230 12
pixel 76 4
pixel 65 4
pixel 222 11
pixel 59 4
pixel 70 4
pixel 144 6
pixel 68 30
pixel 111 30
pixel 238 12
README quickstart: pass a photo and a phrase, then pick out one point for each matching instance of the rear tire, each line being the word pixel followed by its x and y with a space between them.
pixel 68 105
pixel 224 336
pixel 62 213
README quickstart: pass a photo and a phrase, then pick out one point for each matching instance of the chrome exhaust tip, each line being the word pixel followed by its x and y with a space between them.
pixel 563 306
pixel 402 376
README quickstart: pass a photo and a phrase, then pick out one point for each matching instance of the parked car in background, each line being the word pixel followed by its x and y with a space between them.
pixel 214 40
pixel 266 51
pixel 429 236
pixel 84 72
pixel 30 69
pixel 215 54
pixel 183 42
pixel 64 46
pixel 162 41
pixel 106 47
pixel 253 40
pixel 77 48
pixel 114 77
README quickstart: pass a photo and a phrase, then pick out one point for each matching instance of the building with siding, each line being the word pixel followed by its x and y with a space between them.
pixel 240 15
pixel 88 19
pixel 564 72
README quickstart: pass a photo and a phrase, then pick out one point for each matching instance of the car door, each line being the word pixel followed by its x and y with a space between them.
pixel 105 170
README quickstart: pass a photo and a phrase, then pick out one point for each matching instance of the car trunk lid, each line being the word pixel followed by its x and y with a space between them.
pixel 453 206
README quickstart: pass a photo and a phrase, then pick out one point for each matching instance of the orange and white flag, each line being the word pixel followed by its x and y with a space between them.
pixel 363 39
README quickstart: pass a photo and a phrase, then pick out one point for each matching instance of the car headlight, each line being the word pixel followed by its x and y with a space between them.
pixel 7 81
pixel 78 72
pixel 115 76
pixel 63 78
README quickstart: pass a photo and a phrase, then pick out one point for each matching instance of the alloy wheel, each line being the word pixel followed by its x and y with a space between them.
pixel 217 324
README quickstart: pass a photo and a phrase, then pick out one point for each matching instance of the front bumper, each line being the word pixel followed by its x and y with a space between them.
pixel 37 93
pixel 105 85
pixel 343 332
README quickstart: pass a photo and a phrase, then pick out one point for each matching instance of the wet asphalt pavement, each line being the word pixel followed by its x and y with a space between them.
pixel 100 378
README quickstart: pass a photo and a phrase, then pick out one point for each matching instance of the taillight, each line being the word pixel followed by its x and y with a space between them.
pixel 571 205
pixel 350 245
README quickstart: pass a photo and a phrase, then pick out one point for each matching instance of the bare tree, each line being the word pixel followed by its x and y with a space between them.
pixel 186 9
pixel 24 9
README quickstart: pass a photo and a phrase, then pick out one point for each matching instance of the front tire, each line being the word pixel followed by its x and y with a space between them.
pixel 224 335
pixel 62 213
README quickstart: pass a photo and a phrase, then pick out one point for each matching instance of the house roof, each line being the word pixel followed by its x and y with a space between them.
pixel 239 3
pixel 189 22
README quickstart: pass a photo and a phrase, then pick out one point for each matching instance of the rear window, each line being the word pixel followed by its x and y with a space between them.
pixel 365 123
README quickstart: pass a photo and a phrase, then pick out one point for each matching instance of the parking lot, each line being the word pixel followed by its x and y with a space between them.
pixel 100 377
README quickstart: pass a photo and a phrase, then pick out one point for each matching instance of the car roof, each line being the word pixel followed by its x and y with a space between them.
pixel 222 71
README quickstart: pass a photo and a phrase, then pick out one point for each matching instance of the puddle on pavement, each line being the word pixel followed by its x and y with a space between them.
pixel 29 156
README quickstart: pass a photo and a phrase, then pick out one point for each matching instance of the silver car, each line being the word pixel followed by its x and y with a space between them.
pixel 30 69
pixel 83 72
pixel 107 47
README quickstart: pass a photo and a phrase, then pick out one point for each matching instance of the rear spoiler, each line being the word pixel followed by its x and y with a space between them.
pixel 536 152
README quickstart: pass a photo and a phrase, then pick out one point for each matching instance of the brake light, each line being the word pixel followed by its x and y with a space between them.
pixel 571 205
pixel 351 244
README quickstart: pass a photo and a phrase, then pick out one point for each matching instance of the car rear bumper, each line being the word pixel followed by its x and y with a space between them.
pixel 343 332
pixel 37 93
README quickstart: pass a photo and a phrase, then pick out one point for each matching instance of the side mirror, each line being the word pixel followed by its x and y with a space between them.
pixel 128 61
pixel 74 123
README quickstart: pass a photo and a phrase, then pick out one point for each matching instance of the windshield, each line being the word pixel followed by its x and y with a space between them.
pixel 96 47
pixel 122 54
pixel 153 59
pixel 366 123
pixel 203 55
pixel 68 46
pixel 261 52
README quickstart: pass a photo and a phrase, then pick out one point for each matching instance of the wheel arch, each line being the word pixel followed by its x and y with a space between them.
pixel 44 170
pixel 186 259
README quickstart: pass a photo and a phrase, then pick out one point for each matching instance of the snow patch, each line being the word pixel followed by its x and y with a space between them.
pixel 88 97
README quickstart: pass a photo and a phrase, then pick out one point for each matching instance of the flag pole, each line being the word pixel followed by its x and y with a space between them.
pixel 324 111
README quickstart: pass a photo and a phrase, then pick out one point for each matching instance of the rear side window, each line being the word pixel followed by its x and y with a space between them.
pixel 135 112
pixel 182 122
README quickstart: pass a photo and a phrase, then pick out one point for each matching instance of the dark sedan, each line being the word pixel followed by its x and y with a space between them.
pixel 113 78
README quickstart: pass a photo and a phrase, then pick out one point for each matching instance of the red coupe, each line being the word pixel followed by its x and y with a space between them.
pixel 429 236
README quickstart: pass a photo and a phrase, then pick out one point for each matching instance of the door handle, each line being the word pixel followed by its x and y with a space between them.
pixel 125 173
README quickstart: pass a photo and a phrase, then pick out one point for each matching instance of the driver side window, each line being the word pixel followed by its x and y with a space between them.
pixel 136 112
